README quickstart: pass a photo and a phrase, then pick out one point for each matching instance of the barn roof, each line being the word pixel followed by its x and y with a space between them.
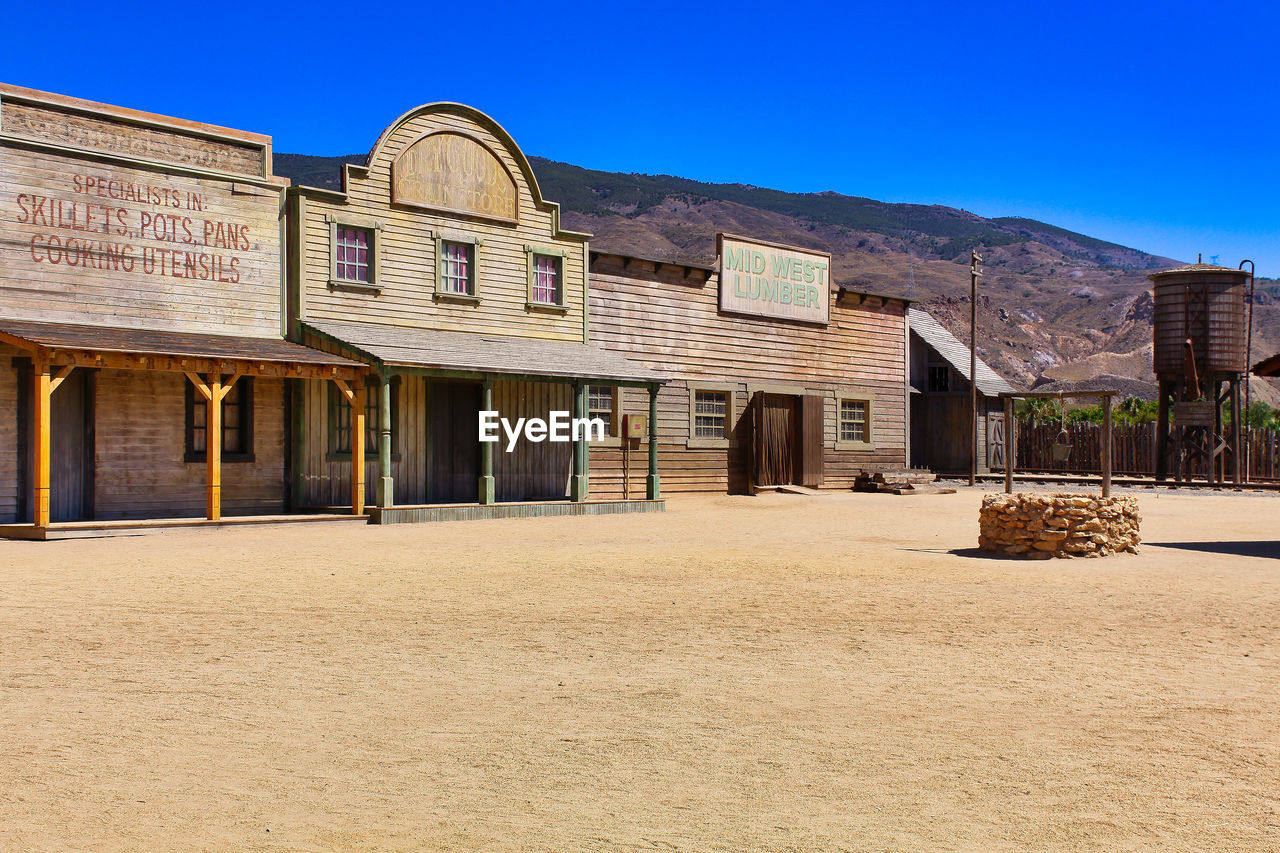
pixel 956 354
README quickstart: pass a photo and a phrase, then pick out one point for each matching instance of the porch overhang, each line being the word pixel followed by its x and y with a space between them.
pixel 465 355
pixel 77 345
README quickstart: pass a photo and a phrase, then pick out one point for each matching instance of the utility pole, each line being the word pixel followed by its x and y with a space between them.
pixel 974 272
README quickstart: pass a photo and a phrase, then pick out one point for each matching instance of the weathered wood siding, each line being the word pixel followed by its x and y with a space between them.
pixel 531 471
pixel 670 322
pixel 9 429
pixel 407 275
pixel 141 442
pixel 326 477
pixel 189 240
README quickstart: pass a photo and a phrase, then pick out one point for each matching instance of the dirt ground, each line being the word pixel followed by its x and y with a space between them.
pixel 774 673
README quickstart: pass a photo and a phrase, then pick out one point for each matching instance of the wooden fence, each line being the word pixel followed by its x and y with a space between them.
pixel 1133 449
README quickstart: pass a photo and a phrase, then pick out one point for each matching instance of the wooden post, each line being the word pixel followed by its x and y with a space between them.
pixel 578 483
pixel 487 491
pixel 974 260
pixel 1237 450
pixel 1162 432
pixel 41 473
pixel 357 447
pixel 1010 433
pixel 1106 446
pixel 213 448
pixel 386 492
pixel 652 487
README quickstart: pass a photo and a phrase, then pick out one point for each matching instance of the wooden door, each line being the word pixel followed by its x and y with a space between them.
pixel 995 441
pixel 775 442
pixel 812 445
pixel 453 447
pixel 71 449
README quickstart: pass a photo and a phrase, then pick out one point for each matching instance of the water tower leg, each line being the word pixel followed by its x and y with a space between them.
pixel 1237 449
pixel 1162 433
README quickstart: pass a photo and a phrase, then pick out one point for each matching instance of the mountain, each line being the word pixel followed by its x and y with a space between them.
pixel 1056 308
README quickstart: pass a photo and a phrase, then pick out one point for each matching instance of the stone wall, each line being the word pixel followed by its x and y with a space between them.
pixel 1040 526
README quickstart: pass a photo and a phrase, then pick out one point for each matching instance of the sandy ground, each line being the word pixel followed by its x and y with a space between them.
pixel 774 673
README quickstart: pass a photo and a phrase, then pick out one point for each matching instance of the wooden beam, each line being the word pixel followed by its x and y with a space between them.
pixel 229 384
pixel 200 386
pixel 213 449
pixel 347 393
pixel 40 475
pixel 357 444
pixel 63 373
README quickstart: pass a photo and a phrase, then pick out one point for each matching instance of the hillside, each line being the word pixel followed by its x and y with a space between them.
pixel 1056 306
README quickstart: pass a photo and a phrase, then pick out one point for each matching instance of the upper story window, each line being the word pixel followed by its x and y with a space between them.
pixel 353 254
pixel 457 268
pixel 939 378
pixel 546 280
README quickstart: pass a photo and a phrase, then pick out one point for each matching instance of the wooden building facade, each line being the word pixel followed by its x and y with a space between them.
pixel 942 407
pixel 756 399
pixel 440 265
pixel 143 365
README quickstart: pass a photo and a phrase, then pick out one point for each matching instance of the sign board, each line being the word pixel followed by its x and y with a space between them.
pixel 87 239
pixel 454 173
pixel 1193 413
pixel 774 281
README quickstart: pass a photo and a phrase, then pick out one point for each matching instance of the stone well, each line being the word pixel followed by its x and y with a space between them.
pixel 1039 526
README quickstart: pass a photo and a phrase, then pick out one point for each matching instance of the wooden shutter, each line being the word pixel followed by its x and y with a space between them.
pixel 813 447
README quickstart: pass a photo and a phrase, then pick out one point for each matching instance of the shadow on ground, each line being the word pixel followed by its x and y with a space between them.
pixel 1239 549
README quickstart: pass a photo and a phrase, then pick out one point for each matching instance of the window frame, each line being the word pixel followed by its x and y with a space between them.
pixel 869 400
pixel 245 402
pixel 614 437
pixel 731 391
pixel 342 220
pixel 561 256
pixel 930 367
pixel 439 294
pixel 333 402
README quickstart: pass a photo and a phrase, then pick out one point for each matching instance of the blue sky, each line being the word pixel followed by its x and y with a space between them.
pixel 1155 125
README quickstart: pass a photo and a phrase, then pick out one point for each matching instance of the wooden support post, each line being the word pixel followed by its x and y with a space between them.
pixel 40 474
pixel 1162 432
pixel 578 483
pixel 1106 447
pixel 1237 450
pixel 386 492
pixel 213 448
pixel 652 487
pixel 1010 433
pixel 486 491
pixel 357 448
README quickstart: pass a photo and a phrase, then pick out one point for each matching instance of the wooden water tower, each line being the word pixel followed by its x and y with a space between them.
pixel 1200 362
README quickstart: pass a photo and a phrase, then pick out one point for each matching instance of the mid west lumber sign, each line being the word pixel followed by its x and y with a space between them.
pixel 774 281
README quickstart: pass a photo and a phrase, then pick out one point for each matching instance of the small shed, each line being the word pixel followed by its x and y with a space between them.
pixel 940 407
pixel 1268 367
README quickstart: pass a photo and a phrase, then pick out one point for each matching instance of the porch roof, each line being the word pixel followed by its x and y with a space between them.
pixel 465 353
pixel 72 342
